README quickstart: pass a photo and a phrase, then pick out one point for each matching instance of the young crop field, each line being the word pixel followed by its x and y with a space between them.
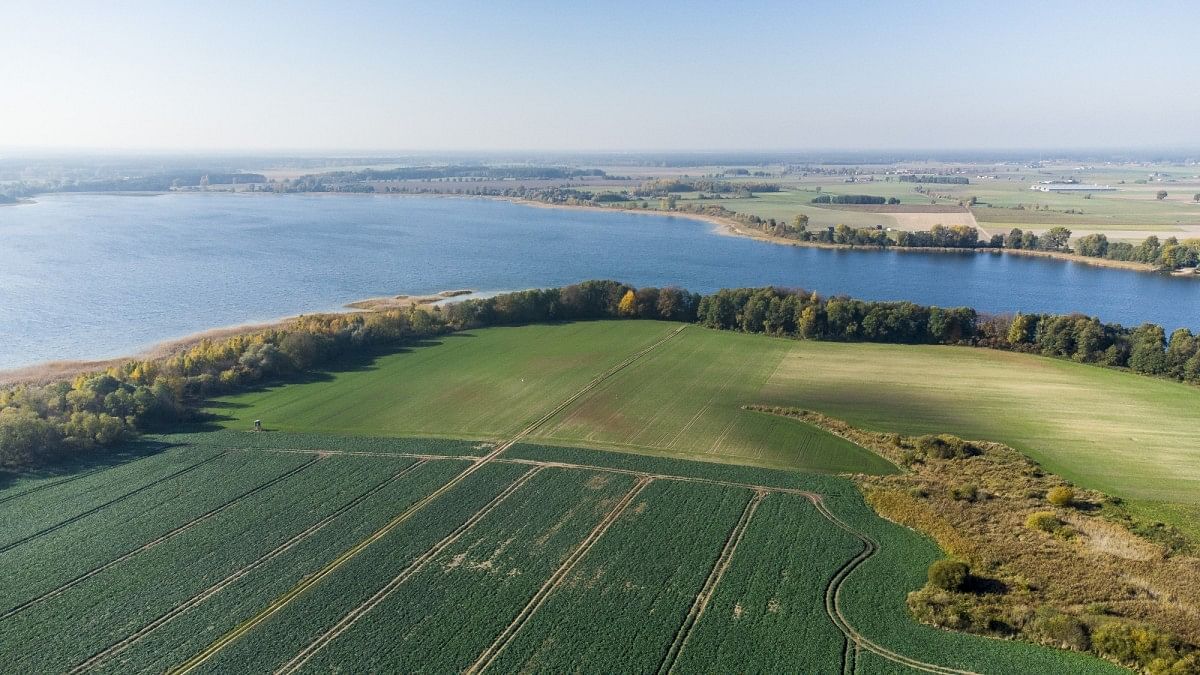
pixel 478 385
pixel 346 559
pixel 686 400
pixel 1125 434
pixel 305 550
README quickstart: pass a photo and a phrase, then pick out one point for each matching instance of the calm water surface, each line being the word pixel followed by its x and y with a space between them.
pixel 94 276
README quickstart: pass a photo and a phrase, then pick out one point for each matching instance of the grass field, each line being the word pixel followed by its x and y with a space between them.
pixel 1131 212
pixel 361 560
pixel 1122 433
pixel 542 480
pixel 483 384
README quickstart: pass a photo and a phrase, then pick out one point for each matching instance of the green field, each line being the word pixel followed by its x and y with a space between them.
pixel 542 481
pixel 368 557
pixel 489 384
pixel 483 384
pixel 1130 213
pixel 1122 433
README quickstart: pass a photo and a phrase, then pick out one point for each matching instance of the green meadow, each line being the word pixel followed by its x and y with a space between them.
pixel 1129 435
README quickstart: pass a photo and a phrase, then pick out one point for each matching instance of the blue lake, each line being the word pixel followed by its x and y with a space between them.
pixel 95 276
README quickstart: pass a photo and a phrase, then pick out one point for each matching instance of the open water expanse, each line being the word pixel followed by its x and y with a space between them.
pixel 95 276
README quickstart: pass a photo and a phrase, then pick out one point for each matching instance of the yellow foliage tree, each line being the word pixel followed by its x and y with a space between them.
pixel 628 304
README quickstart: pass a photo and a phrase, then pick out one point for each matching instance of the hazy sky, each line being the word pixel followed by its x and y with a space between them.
pixel 605 75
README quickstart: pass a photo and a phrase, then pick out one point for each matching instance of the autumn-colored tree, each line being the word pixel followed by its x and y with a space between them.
pixel 628 304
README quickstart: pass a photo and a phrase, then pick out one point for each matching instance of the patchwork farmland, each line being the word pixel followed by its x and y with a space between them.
pixel 373 559
pixel 515 547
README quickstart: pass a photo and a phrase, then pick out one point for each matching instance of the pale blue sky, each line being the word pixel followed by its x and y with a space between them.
pixel 598 75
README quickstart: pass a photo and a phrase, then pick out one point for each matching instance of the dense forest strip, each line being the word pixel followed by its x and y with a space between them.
pixel 40 423
pixel 480 462
pixel 555 580
pixel 208 515
pixel 710 584
pixel 416 566
pixel 221 585
pixel 43 532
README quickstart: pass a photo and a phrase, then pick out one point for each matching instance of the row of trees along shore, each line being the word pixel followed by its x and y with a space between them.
pixel 1168 254
pixel 49 422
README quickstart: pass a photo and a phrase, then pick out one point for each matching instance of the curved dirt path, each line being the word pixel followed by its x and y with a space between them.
pixel 833 608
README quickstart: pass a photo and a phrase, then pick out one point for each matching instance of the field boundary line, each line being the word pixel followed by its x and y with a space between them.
pixel 833 597
pixel 55 483
pixel 307 583
pixel 700 604
pixel 556 579
pixel 355 453
pixel 312 580
pixel 82 474
pixel 203 596
pixel 208 515
pixel 413 568
pixel 80 516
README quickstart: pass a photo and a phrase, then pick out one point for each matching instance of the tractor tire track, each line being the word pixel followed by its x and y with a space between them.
pixel 834 611
pixel 82 474
pixel 101 657
pixel 316 578
pixel 116 500
pixel 156 541
pixel 416 566
pixel 556 579
pixel 710 584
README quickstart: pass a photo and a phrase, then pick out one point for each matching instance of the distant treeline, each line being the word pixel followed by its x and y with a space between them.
pixel 853 199
pixel 1168 254
pixel 466 171
pixel 162 182
pixel 920 178
pixel 663 186
pixel 50 422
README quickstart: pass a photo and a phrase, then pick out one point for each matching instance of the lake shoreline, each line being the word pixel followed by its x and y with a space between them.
pixel 731 227
pixel 722 226
pixel 48 371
